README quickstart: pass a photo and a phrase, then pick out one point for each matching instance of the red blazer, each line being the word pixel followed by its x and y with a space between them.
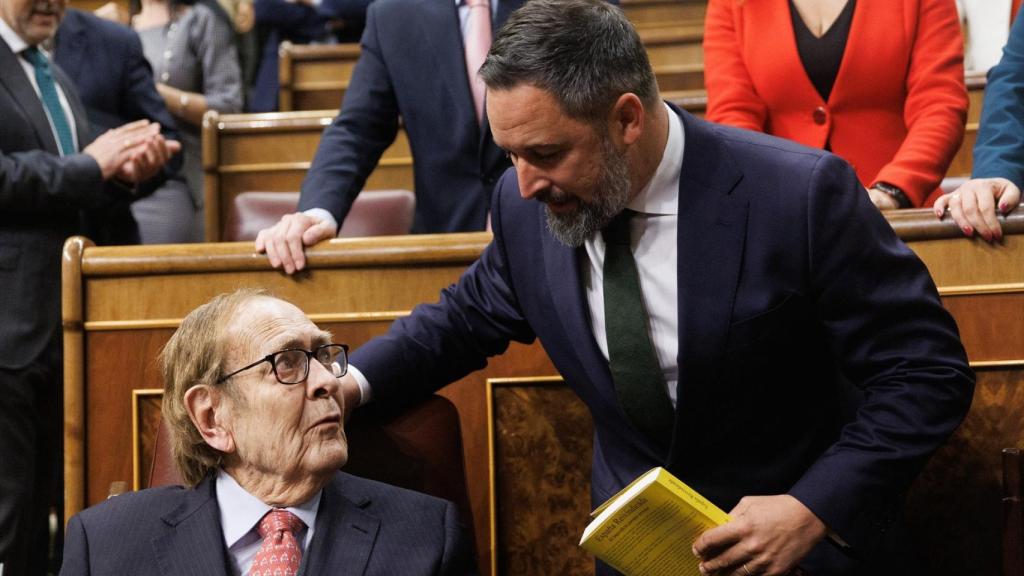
pixel 898 106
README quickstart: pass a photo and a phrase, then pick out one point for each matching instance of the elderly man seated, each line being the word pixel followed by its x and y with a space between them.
pixel 252 400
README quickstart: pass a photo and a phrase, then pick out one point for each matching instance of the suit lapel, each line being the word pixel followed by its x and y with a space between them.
pixel 77 108
pixel 193 541
pixel 490 155
pixel 71 33
pixel 13 77
pixel 561 266
pixel 441 19
pixel 345 532
pixel 712 232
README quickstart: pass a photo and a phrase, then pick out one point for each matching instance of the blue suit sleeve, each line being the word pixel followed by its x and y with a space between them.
pixel 439 343
pixel 76 549
pixel 893 339
pixel 353 144
pixel 999 151
pixel 37 182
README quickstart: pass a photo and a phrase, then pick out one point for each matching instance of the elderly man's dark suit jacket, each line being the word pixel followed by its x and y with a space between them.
pixel 788 279
pixel 43 199
pixel 363 527
pixel 412 65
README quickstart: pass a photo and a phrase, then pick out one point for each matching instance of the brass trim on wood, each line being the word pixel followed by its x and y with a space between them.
pixel 490 383
pixel 114 325
pixel 74 374
pixel 997 364
pixel 136 445
pixel 981 289
pixel 921 224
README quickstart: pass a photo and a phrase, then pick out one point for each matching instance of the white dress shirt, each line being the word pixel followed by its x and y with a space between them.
pixel 17 45
pixel 653 240
pixel 240 514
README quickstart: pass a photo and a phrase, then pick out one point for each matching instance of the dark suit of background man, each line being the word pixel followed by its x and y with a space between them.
pixel 48 191
pixel 412 66
pixel 255 442
pixel 707 326
pixel 105 62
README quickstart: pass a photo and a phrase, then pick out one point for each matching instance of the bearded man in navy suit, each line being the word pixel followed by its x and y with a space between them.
pixel 705 291
pixel 254 409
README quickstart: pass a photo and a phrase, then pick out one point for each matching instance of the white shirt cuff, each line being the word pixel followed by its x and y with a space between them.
pixel 324 215
pixel 364 385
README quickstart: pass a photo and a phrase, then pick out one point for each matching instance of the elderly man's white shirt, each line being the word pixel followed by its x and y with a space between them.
pixel 240 513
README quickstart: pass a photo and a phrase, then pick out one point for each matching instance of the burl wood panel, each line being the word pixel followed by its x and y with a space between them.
pixel 953 511
pixel 542 450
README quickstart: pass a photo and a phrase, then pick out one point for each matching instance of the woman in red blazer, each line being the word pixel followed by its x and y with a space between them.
pixel 897 106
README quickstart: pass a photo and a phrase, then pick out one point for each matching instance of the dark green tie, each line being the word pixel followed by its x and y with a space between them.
pixel 639 382
pixel 48 91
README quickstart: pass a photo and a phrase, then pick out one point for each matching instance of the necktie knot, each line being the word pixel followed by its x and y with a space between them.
pixel 617 231
pixel 36 57
pixel 277 522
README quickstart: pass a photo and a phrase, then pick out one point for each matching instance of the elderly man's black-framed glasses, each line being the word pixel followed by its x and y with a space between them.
pixel 291 366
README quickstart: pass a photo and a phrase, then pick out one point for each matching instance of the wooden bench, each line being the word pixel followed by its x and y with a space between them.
pixel 271 153
pixel 122 303
pixel 315 77
pixel 661 13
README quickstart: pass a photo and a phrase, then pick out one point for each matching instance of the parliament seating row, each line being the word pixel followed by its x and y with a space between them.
pixel 315 77
pixel 121 304
pixel 272 152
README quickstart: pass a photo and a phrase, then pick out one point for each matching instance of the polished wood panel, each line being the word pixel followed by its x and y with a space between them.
pixel 674 44
pixel 541 449
pixel 272 152
pixel 660 13
pixel 315 77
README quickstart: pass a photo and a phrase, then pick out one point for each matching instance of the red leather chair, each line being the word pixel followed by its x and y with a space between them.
pixel 376 213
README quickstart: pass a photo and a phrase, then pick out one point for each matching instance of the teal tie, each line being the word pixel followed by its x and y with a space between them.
pixel 639 382
pixel 48 90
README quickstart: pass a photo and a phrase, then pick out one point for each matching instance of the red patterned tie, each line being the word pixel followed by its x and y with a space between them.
pixel 280 554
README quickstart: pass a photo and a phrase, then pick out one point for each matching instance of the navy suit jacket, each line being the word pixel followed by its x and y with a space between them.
pixel 999 150
pixel 44 198
pixel 115 82
pixel 789 279
pixel 412 65
pixel 363 527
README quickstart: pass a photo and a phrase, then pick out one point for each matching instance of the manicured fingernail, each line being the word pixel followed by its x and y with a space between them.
pixel 968 230
pixel 1004 207
pixel 694 550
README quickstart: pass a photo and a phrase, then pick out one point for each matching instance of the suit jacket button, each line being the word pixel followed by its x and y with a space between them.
pixel 820 115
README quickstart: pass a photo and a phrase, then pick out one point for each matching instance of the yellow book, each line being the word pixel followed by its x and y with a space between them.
pixel 649 527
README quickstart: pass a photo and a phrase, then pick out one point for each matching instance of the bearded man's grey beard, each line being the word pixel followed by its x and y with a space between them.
pixel 610 198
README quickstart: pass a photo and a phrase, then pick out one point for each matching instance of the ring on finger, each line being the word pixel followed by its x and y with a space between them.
pixel 747 571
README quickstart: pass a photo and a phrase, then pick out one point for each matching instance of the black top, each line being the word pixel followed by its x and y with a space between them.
pixel 822 56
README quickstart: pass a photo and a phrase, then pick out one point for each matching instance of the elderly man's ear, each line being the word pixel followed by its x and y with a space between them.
pixel 209 413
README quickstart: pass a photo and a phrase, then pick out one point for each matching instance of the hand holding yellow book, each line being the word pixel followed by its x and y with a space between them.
pixel 649 527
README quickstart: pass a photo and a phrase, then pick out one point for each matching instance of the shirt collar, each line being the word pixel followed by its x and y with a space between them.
pixel 240 511
pixel 661 195
pixel 16 44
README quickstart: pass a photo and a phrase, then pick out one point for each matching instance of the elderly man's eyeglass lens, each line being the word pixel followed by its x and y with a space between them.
pixel 291 366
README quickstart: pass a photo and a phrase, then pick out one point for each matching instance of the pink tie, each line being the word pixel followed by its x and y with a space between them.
pixel 279 555
pixel 478 42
